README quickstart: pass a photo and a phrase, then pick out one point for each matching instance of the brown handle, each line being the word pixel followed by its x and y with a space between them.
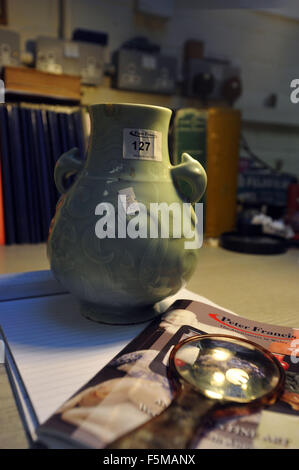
pixel 174 428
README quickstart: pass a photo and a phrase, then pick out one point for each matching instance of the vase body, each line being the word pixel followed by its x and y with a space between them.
pixel 118 278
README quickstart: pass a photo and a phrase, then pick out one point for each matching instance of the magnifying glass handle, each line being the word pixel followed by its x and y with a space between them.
pixel 174 428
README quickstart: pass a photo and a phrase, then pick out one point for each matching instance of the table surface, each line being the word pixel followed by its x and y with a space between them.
pixel 264 288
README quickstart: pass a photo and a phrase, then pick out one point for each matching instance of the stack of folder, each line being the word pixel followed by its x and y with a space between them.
pixel 32 138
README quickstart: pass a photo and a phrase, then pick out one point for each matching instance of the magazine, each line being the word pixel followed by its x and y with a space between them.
pixel 134 387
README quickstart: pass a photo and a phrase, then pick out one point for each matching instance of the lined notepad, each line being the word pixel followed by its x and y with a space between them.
pixel 56 350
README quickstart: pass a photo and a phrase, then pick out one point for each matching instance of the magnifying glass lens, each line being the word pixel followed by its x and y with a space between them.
pixel 226 369
pixel 208 372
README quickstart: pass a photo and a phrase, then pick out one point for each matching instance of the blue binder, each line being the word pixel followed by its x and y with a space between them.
pixel 32 137
pixel 39 174
pixel 42 163
pixel 63 128
pixel 49 161
pixel 30 175
pixel 18 176
pixel 8 196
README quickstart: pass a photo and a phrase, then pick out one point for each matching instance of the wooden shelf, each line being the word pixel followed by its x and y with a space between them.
pixel 26 81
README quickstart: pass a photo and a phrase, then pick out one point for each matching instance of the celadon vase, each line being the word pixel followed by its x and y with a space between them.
pixel 119 278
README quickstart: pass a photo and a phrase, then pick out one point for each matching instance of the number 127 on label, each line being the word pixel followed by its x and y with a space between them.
pixel 140 145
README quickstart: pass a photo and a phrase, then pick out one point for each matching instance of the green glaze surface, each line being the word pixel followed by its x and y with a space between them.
pixel 119 280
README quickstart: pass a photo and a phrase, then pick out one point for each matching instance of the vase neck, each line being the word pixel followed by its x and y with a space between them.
pixel 128 141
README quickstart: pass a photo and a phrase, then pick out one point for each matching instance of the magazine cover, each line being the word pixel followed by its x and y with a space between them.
pixel 134 387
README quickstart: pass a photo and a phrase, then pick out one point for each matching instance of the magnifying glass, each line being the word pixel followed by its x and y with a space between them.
pixel 211 374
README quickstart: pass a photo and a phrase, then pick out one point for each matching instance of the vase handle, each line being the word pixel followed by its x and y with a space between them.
pixel 67 165
pixel 190 178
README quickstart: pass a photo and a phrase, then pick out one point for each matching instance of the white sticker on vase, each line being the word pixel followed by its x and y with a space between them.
pixel 130 204
pixel 142 144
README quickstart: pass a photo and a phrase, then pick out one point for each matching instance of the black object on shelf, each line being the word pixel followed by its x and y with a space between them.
pixel 253 244
pixel 95 37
